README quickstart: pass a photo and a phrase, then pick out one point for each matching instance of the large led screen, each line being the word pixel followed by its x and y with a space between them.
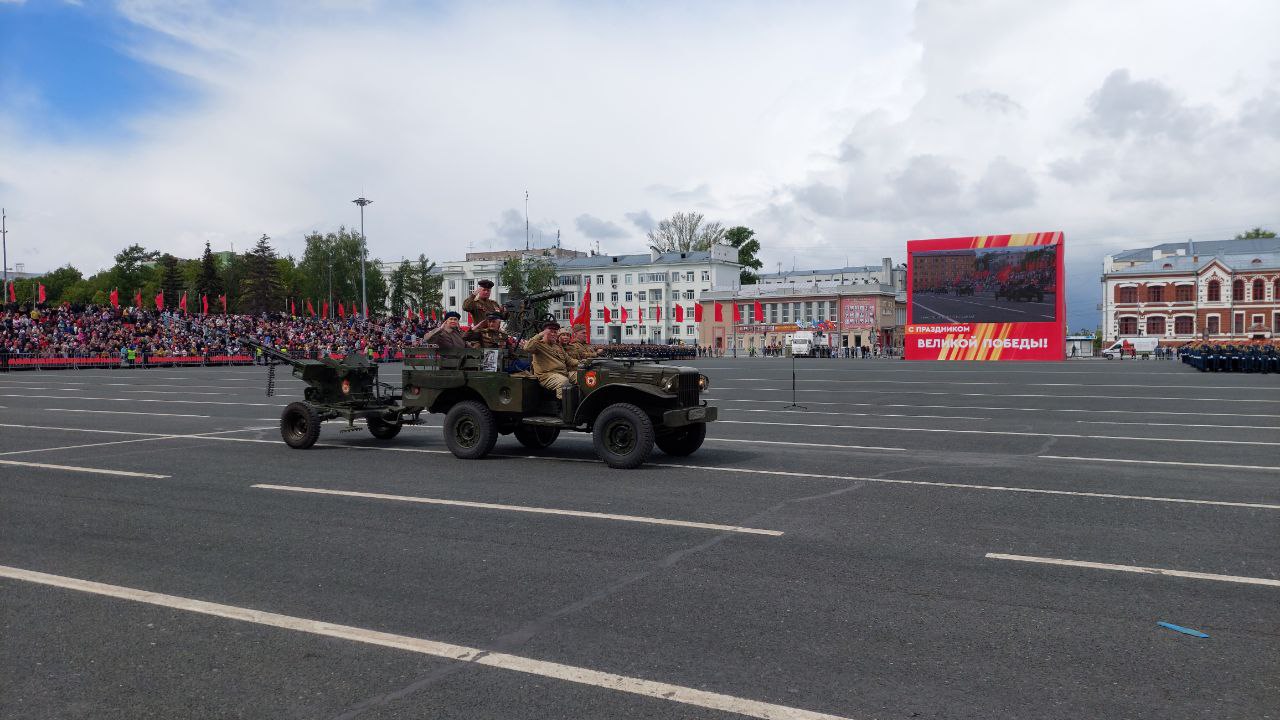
pixel 988 297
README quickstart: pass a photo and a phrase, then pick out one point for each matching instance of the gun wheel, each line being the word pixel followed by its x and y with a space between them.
pixel 382 429
pixel 536 438
pixel 299 426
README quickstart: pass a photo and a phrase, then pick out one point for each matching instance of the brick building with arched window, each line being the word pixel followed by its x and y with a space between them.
pixel 1220 290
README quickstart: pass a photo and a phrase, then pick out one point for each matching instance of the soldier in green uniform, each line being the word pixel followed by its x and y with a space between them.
pixel 479 304
pixel 577 346
pixel 486 334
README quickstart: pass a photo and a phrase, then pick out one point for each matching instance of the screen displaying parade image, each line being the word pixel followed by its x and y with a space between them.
pixel 984 285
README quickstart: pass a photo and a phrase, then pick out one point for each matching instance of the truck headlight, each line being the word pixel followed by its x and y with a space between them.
pixel 703 382
pixel 671 384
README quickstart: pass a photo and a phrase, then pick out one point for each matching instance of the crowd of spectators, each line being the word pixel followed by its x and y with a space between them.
pixel 96 332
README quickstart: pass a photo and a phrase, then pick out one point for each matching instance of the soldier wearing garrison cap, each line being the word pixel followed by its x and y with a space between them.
pixel 479 304
pixel 551 364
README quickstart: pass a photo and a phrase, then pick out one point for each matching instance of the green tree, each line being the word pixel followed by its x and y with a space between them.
pixel 1255 233
pixel 425 287
pixel 526 276
pixel 330 267
pixel 58 282
pixel 133 270
pixel 209 280
pixel 262 290
pixel 683 232
pixel 401 282
pixel 743 238
pixel 170 280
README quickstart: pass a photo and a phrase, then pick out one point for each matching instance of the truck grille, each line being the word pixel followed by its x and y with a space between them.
pixel 687 392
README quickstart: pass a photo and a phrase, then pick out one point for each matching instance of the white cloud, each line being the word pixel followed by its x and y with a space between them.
pixel 834 129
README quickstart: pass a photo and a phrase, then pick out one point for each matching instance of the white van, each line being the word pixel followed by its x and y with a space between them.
pixel 1140 345
pixel 802 344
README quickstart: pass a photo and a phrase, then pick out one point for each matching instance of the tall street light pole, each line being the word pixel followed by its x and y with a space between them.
pixel 4 241
pixel 364 297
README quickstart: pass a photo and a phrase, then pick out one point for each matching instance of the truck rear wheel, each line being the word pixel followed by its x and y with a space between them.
pixel 299 426
pixel 623 436
pixel 382 429
pixel 682 441
pixel 536 438
pixel 470 430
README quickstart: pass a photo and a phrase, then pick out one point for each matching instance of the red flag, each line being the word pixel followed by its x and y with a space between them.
pixel 640 314
pixel 570 317
pixel 342 312
pixel 583 316
pixel 182 304
pixel 160 300
pixel 204 304
pixel 433 315
pixel 719 312
pixel 737 313
pixel 293 310
pixel 41 294
pixel 324 309
pixel 608 316
pixel 679 313
pixel 759 312
pixel 13 294
pixel 137 300
pixel 624 314
pixel 115 298
pixel 311 309
pixel 697 312
pixel 422 314
pixel 223 299
pixel 408 313
pixel 657 314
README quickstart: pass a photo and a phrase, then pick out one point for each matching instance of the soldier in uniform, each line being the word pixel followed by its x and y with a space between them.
pixel 486 334
pixel 447 335
pixel 577 347
pixel 551 364
pixel 479 304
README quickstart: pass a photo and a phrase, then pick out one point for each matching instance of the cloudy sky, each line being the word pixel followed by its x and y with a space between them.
pixel 836 130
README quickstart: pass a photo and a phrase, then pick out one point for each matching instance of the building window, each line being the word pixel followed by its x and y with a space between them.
pixel 600 314
pixel 613 279
pixel 1212 325
pixel 786 312
pixel 569 279
pixel 599 297
pixel 631 330
pixel 706 275
pixel 626 279
pixel 655 295
pixel 453 284
pixel 1237 290
pixel 1215 291
pixel 1184 325
pixel 1155 325
pixel 453 300
pixel 1275 323
pixel 630 296
pixel 1128 326
pixel 1127 294
pixel 688 277
pixel 1257 321
pixel 1237 323
pixel 1259 290
pixel 599 329
pixel 599 279
pixel 808 311
pixel 613 298
pixel 688 294
pixel 1184 293
pixel 642 296
pixel 1155 293
pixel 688 330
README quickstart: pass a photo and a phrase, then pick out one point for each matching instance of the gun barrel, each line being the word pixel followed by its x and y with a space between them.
pixel 270 352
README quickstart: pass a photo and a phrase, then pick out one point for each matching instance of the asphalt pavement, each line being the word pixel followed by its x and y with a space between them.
pixel 982 307
pixel 915 540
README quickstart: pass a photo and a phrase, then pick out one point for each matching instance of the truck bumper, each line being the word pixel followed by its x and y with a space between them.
pixel 689 416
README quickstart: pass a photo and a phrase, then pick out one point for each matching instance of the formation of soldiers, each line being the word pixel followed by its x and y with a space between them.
pixel 1227 357
pixel 555 355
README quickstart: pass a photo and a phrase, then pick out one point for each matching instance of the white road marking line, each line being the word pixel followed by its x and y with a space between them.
pixel 1006 432
pixel 434 648
pixel 805 444
pixel 525 509
pixel 1137 569
pixel 993 407
pixel 856 414
pixel 1159 462
pixel 1073 396
pixel 123 412
pixel 145 400
pixel 76 468
pixel 1122 422
pixel 85 445
pixel 152 392
pixel 935 312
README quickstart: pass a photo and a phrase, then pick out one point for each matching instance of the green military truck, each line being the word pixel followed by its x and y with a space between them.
pixel 628 405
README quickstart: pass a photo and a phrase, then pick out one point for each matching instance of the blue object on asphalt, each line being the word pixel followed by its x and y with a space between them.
pixel 1183 630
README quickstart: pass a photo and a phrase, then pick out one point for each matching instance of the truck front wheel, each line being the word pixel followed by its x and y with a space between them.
pixel 623 436
pixel 470 430
pixel 682 441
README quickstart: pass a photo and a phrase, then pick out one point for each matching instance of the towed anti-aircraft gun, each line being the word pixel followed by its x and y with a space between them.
pixel 346 388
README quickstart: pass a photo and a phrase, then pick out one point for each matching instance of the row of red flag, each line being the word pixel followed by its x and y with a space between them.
pixel 12 292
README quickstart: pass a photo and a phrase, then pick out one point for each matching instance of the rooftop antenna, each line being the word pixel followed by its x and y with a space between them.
pixel 557 238
pixel 526 219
